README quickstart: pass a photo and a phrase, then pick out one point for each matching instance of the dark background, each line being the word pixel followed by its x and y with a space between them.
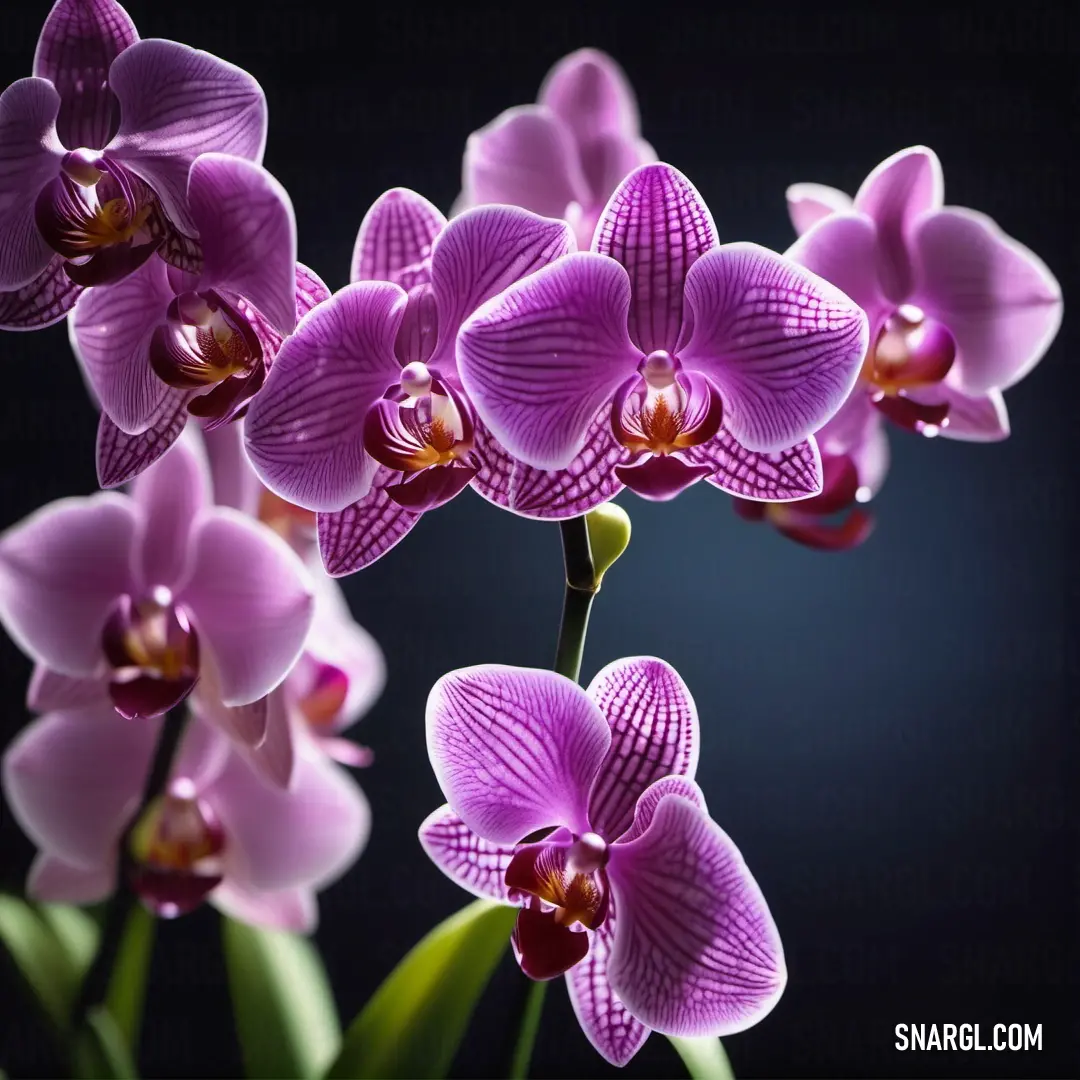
pixel 889 735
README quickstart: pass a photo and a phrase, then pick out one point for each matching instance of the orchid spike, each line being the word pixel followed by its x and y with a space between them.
pixel 579 806
pixel 563 156
pixel 96 148
pixel 702 361
pixel 958 311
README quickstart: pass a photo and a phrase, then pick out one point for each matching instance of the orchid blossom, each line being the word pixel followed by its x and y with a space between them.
pixel 96 148
pixel 701 361
pixel 580 807
pixel 958 310
pixel 563 156
pixel 73 780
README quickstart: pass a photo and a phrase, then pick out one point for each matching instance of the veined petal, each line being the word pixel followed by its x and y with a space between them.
pixel 248 233
pixel 110 331
pixel 42 302
pixel 295 910
pixel 481 253
pixel 121 457
pixel 53 881
pixel 514 749
pixel 654 733
pixel 590 93
pixel 539 360
pixel 30 156
pixel 654 794
pixel 355 537
pixel 606 161
pixel 175 104
pixel 809 203
pixel 61 571
pixel 696 950
pixel 971 417
pixel 304 429
pixel 78 43
pixel 902 187
pixel 234 481
pixel 657 226
pixel 781 476
pixel 73 778
pixel 395 239
pixel 49 691
pixel 468 860
pixel 251 601
pixel 998 299
pixel 783 345
pixel 525 157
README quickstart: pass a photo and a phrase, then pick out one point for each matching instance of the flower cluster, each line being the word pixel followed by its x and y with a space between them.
pixel 579 325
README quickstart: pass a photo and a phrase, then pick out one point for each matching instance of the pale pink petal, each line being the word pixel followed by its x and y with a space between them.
pixel 808 203
pixel 972 417
pixel 53 881
pixel 49 691
pixel 295 910
pixel 591 94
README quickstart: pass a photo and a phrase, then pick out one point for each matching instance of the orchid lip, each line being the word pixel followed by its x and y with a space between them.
pixel 664 409
pixel 912 350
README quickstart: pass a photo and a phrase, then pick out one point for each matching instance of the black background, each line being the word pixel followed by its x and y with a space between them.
pixel 889 735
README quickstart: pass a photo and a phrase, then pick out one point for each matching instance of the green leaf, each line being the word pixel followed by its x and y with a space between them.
pixel 99 1051
pixel 282 1003
pixel 413 1024
pixel 127 984
pixel 76 930
pixel 704 1058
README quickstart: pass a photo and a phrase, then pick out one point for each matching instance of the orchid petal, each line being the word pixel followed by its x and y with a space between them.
pixel 431 488
pixel 539 360
pixel 295 910
pixel 997 298
pixel 121 457
pixel 73 778
pixel 395 239
pixel 657 226
pixel 902 187
pixel 514 749
pixel 809 203
pixel 175 104
pixel 78 43
pixel 52 880
pixel 971 417
pixel 30 156
pixel 810 531
pixel 871 457
pixel 49 691
pixel 61 571
pixel 467 859
pixel 654 794
pixel 782 476
pixel 783 346
pixel 251 601
pixel 42 302
pixel 606 161
pixel 353 538
pixel 202 754
pixel 234 481
pixel 696 950
pixel 654 733
pixel 304 430
pixel 590 93
pixel 552 494
pixel 110 331
pixel 483 252
pixel 248 233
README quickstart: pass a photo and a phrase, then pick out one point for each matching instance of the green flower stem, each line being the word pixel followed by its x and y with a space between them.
pixel 530 1025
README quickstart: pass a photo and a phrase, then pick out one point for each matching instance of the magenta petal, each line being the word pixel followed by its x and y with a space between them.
pixel 696 950
pixel 234 481
pixel 248 233
pixel 654 733
pixel 42 302
pixel 789 474
pixel 432 488
pixel 661 478
pixel 61 571
pixel 73 778
pixel 294 910
pixel 355 537
pixel 481 253
pixel 465 858
pixel 590 93
pixel 304 430
pixel 121 457
pixel 78 43
pixel 175 104
pixel 49 691
pixel 810 531
pixel 654 794
pixel 809 203
pixel 539 360
pixel 998 299
pixel 53 881
pixel 110 331
pixel 514 749
pixel 971 417
pixel 30 156
pixel 902 187
pixel 657 226
pixel 395 238
pixel 552 494
pixel 783 346
pixel 251 601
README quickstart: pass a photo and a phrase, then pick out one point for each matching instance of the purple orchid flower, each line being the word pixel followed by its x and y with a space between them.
pixel 73 779
pixel 700 361
pixel 163 345
pixel 96 148
pixel 958 310
pixel 563 156
pixel 579 806
pixel 155 592
pixel 362 417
